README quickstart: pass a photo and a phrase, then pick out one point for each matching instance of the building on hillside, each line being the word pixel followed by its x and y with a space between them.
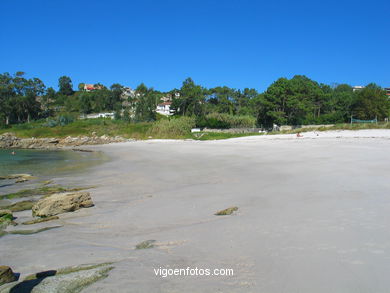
pixel 128 92
pixel 357 88
pixel 99 115
pixel 164 108
pixel 91 87
pixel 170 96
pixel 128 97
pixel 167 98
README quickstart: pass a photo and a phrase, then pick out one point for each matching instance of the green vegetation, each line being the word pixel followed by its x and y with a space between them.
pixel 82 127
pixel 172 128
pixel 227 211
pixel 29 109
pixel 224 120
pixel 6 218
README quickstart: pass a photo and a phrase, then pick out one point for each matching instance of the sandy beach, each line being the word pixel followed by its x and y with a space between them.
pixel 314 215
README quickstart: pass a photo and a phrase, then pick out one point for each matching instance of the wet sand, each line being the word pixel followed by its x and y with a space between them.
pixel 314 216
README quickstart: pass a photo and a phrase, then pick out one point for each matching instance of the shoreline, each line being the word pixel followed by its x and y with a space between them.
pixel 305 206
pixel 10 141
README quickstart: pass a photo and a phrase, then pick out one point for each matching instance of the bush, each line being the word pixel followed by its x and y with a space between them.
pixel 173 128
pixel 61 120
pixel 223 120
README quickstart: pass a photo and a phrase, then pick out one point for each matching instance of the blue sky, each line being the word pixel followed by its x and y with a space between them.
pixel 235 43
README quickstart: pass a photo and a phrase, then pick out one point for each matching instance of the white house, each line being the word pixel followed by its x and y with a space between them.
pixel 100 115
pixel 164 108
pixel 357 88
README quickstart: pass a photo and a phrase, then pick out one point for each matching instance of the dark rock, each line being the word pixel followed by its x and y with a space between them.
pixel 6 275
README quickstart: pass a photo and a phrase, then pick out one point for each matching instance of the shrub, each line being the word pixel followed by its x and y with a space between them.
pixel 172 128
pixel 223 120
pixel 61 120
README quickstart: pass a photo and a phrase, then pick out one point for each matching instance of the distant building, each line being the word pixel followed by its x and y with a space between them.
pixel 91 87
pixel 357 87
pixel 167 98
pixel 128 92
pixel 164 108
pixel 99 115
pixel 170 96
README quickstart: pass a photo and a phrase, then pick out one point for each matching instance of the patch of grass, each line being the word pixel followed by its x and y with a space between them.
pixel 145 244
pixel 227 211
pixel 172 128
pixel 82 128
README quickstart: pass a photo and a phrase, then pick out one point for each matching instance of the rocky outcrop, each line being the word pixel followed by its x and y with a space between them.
pixel 72 282
pixel 61 203
pixel 40 220
pixel 18 177
pixel 70 279
pixel 6 275
pixel 10 141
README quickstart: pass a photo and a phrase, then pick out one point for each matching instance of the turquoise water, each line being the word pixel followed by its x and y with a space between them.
pixel 44 163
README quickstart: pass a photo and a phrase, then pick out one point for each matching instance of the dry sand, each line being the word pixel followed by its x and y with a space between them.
pixel 314 216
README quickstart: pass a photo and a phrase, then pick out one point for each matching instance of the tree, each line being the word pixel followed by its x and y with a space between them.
pixel 224 99
pixel 145 106
pixel 126 115
pixel 371 102
pixel 339 104
pixel 191 100
pixel 115 95
pixel 85 105
pixel 49 97
pixel 295 101
pixel 6 95
pixel 65 86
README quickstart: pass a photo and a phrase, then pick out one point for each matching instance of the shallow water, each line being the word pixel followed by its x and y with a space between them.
pixel 45 163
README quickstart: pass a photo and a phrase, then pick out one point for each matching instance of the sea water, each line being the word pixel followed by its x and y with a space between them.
pixel 44 163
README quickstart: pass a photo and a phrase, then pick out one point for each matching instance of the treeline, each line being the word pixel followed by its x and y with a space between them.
pixel 295 101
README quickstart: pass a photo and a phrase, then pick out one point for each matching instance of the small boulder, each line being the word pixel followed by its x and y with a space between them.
pixel 227 211
pixel 6 275
pixel 59 203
